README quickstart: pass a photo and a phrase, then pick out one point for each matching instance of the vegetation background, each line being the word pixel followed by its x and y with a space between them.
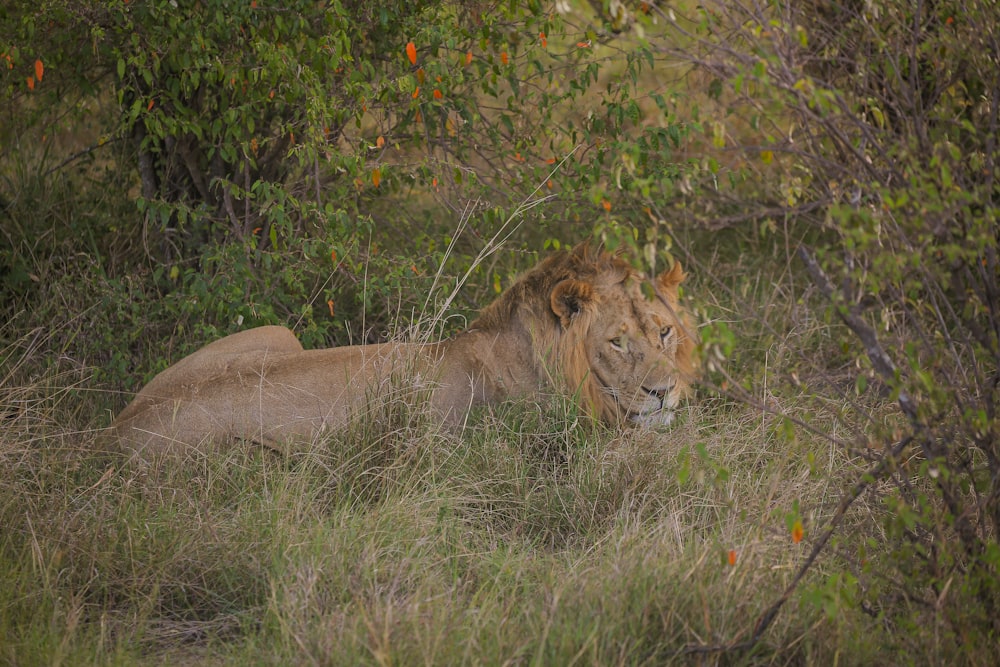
pixel 172 171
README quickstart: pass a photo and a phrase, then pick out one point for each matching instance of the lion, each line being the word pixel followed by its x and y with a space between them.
pixel 582 322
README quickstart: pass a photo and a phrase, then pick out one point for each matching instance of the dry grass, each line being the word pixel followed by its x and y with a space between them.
pixel 530 538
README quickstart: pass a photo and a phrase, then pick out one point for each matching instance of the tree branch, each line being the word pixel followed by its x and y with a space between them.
pixel 764 620
pixel 144 159
pixel 851 316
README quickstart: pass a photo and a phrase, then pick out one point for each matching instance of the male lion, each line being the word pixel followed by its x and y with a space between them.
pixel 578 322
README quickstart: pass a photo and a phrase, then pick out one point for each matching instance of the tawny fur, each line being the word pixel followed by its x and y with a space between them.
pixel 577 323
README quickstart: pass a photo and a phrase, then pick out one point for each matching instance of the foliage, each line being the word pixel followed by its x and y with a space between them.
pixel 271 140
pixel 875 141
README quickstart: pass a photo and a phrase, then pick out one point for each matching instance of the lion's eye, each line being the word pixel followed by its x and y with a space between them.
pixel 665 331
pixel 618 342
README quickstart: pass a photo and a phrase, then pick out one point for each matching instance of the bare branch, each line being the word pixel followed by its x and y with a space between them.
pixel 877 472
pixel 851 316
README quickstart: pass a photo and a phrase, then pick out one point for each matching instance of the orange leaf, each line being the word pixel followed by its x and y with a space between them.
pixel 545 42
pixel 149 106
pixel 376 177
pixel 583 45
pixel 411 52
pixel 380 142
pixel 551 160
pixel 435 182
pixel 39 69
pixel 31 83
pixel 606 204
pixel 797 531
pixel 503 57
pixel 333 255
pixel 416 91
pixel 437 94
pixel 329 302
pixel 468 57
pixel 732 556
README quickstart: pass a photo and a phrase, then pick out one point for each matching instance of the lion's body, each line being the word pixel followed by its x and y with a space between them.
pixel 576 323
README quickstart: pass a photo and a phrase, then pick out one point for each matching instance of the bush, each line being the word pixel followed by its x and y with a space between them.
pixel 872 149
pixel 270 146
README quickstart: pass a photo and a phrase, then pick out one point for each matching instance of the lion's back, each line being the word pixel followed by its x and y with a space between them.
pixel 213 360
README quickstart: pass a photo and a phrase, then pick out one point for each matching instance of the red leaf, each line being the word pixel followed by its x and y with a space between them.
pixel 39 69
pixel 797 531
pixel 411 52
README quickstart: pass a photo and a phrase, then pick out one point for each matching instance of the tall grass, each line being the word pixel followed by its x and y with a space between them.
pixel 530 538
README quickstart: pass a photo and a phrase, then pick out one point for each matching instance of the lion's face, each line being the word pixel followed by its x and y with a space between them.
pixel 630 355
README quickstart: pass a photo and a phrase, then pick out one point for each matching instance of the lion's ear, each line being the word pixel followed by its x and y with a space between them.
pixel 570 297
pixel 670 279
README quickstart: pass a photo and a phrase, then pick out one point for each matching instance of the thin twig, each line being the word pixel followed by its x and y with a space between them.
pixel 851 316
pixel 81 153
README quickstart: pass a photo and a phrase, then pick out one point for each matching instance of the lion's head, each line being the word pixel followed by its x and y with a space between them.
pixel 620 342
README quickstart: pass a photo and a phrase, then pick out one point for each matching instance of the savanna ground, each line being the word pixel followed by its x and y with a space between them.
pixel 828 495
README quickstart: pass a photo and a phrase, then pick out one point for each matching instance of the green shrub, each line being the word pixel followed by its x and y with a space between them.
pixel 871 151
